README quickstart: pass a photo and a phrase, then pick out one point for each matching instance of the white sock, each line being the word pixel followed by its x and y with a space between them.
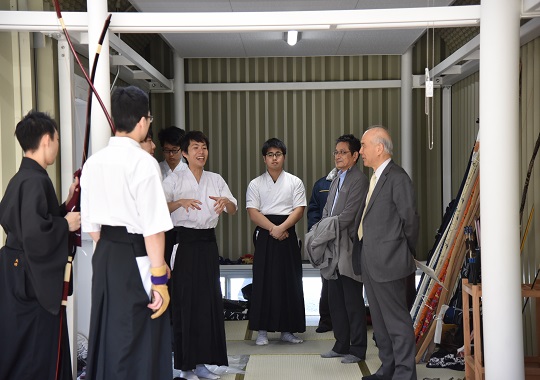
pixel 203 372
pixel 262 338
pixel 188 375
pixel 288 337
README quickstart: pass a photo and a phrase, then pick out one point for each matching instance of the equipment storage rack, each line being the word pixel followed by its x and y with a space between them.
pixel 474 367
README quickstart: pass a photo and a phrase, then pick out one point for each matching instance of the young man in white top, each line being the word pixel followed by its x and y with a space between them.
pixel 275 202
pixel 197 198
pixel 170 139
pixel 124 210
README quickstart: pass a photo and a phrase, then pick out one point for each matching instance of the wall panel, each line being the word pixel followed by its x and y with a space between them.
pixel 238 122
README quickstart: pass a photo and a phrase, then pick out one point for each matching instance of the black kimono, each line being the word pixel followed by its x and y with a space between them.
pixel 32 266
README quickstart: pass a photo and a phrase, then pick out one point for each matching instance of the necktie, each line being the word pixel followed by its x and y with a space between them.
pixel 340 183
pixel 372 183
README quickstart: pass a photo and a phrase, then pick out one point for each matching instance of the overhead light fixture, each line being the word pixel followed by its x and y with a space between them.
pixel 292 37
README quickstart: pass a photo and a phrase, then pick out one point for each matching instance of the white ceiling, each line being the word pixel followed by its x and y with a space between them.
pixel 272 44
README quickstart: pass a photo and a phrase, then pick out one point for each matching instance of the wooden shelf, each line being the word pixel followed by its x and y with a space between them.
pixel 474 366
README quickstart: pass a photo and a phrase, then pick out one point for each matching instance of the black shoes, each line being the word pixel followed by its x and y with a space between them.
pixel 323 329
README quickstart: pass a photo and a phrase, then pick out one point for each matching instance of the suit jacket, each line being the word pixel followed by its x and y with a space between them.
pixel 390 228
pixel 349 207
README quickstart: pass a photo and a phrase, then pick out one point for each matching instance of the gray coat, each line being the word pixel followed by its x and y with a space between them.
pixel 322 246
pixel 349 208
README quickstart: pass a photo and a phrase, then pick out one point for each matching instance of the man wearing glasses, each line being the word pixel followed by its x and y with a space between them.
pixel 345 289
pixel 169 139
pixel 275 202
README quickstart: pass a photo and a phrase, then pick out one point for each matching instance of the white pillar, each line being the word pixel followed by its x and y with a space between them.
pixel 65 99
pixel 499 188
pixel 406 112
pixel 100 130
pixel 179 93
pixel 446 146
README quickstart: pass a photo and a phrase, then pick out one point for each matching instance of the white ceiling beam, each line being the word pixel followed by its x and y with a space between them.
pixel 468 68
pixel 200 22
pixel 126 74
pixel 120 60
pixel 283 86
pixel 530 6
pixel 150 71
pixel 470 51
pixel 459 55
pixel 529 31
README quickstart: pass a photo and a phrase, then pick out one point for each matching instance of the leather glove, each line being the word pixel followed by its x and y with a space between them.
pixel 159 284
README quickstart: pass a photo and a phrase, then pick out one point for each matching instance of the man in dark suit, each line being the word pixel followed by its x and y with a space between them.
pixel 345 292
pixel 387 237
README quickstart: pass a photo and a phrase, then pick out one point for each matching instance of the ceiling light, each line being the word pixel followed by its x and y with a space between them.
pixel 292 37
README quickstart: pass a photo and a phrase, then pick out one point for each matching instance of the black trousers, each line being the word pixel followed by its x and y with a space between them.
pixel 348 311
pixel 324 308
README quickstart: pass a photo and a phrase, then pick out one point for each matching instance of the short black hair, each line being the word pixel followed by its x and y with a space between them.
pixel 197 136
pixel 171 135
pixel 353 142
pixel 150 134
pixel 274 143
pixel 128 105
pixel 32 128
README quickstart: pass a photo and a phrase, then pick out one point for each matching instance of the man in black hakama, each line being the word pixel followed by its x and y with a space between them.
pixel 123 208
pixel 277 300
pixel 126 343
pixel 275 202
pixel 33 260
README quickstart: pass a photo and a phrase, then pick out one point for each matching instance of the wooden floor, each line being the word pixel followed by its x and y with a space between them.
pixel 286 361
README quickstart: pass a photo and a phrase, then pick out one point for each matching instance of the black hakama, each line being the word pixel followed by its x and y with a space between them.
pixel 124 342
pixel 198 321
pixel 277 301
pixel 29 339
pixel 31 278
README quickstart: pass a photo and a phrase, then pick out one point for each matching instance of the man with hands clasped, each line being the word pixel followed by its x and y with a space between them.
pixel 275 202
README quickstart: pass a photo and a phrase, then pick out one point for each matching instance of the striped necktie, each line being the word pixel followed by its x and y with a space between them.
pixel 372 183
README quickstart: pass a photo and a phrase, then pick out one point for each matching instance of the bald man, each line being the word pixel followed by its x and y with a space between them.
pixel 385 250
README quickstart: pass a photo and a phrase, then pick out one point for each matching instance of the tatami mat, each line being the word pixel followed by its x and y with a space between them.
pixel 286 361
pixel 276 347
pixel 236 330
pixel 299 367
pixel 309 334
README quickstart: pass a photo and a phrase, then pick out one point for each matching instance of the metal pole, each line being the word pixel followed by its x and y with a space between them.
pixel 406 112
pixel 100 131
pixel 179 93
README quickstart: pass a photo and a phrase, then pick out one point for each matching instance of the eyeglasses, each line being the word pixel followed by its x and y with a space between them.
pixel 150 117
pixel 340 152
pixel 276 155
pixel 171 151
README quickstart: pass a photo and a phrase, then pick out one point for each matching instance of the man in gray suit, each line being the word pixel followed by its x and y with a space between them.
pixel 387 236
pixel 345 293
